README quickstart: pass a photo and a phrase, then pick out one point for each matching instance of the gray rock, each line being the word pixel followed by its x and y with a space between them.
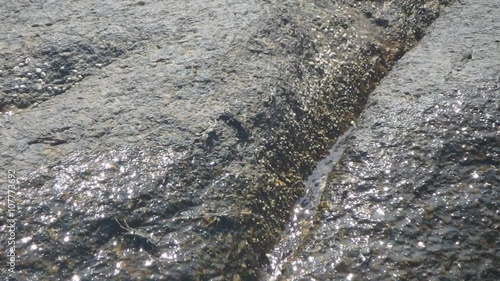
pixel 192 122
pixel 421 170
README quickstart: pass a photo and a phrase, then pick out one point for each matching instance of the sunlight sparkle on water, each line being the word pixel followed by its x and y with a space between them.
pixel 26 239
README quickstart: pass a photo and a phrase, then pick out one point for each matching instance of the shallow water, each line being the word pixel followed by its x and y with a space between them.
pixel 413 201
pixel 303 212
pixel 416 194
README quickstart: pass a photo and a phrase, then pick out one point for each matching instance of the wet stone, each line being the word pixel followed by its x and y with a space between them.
pixel 171 140
pixel 429 139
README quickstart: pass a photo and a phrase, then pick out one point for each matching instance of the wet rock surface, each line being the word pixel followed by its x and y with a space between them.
pixel 416 195
pixel 157 140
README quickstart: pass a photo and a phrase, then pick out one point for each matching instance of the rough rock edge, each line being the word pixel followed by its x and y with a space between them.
pixel 304 135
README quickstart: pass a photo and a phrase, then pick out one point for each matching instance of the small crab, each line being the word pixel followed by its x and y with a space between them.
pixel 139 233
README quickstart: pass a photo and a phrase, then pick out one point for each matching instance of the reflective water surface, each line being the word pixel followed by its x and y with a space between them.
pixel 416 195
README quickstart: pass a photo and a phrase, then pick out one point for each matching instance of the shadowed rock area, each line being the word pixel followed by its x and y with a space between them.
pixel 169 140
pixel 416 195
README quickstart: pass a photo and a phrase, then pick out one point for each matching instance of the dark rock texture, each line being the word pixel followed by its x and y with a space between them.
pixel 192 122
pixel 416 195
